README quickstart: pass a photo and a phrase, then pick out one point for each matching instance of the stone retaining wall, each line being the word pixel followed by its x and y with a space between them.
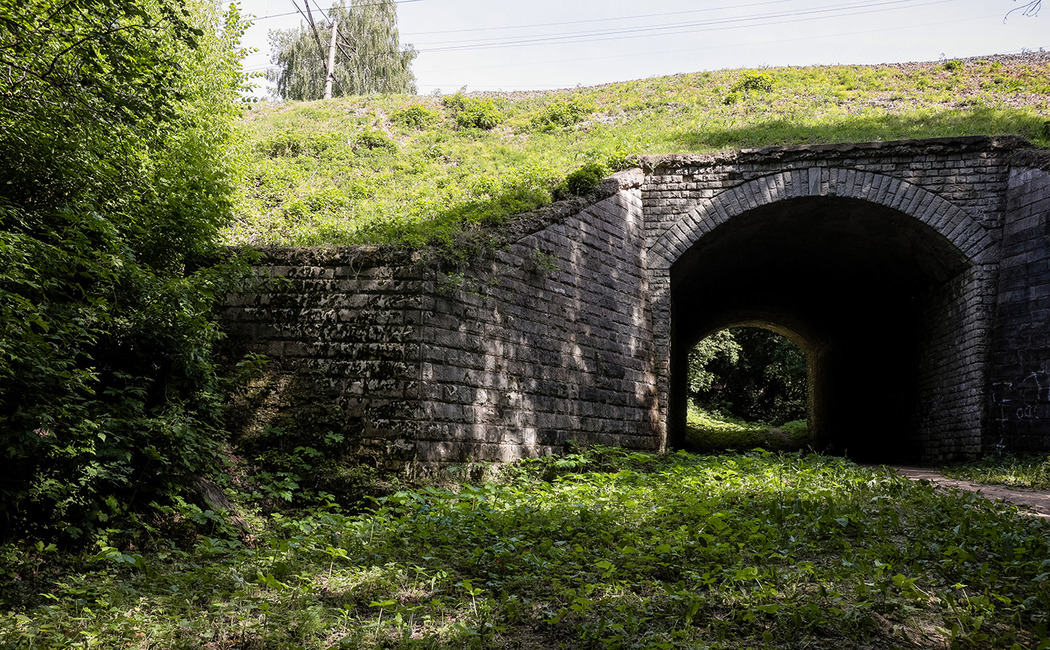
pixel 570 333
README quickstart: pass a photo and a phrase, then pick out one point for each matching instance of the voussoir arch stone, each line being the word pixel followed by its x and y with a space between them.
pixel 704 215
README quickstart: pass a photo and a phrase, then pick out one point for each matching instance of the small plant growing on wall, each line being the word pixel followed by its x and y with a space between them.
pixel 546 262
pixel 583 180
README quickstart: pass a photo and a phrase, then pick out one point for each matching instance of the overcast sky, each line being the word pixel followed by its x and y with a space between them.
pixel 544 44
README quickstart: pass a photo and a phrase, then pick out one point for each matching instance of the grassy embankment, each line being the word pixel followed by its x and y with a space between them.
pixel 605 549
pixel 400 169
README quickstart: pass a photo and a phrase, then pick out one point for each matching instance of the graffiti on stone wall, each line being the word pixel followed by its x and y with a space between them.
pixel 1026 399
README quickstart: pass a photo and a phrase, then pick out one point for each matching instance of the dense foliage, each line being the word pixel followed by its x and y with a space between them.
pixel 115 131
pixel 369 57
pixel 502 153
pixel 599 549
pixel 750 373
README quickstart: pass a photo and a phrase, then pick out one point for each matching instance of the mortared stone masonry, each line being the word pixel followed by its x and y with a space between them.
pixel 915 275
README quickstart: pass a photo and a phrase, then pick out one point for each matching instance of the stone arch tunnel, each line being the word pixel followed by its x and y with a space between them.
pixel 852 283
pixel 915 275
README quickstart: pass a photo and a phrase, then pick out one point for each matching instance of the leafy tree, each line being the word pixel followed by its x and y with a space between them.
pixel 750 373
pixel 717 350
pixel 115 127
pixel 369 57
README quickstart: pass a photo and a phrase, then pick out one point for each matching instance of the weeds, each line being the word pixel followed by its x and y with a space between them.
pixel 1032 471
pixel 315 184
pixel 600 548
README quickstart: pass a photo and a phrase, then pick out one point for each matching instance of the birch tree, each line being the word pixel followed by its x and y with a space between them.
pixel 369 57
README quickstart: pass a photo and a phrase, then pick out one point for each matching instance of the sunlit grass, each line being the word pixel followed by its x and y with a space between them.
pixel 602 549
pixel 315 177
pixel 1032 471
pixel 707 431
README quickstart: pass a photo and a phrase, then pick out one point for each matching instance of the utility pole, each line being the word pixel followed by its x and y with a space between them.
pixel 331 60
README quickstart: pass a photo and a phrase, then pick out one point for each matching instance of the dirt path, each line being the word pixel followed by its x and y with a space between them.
pixel 1031 502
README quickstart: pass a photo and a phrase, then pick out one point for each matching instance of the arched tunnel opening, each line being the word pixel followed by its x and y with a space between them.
pixel 747 387
pixel 856 285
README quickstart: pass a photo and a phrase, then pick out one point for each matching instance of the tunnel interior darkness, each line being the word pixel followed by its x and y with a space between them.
pixel 854 284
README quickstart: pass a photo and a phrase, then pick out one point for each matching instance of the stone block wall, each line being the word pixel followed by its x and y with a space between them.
pixel 954 186
pixel 1020 375
pixel 340 331
pixel 544 343
pixel 952 365
pixel 549 343
pixel 566 334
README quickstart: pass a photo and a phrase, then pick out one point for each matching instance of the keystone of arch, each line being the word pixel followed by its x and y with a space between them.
pixel 947 219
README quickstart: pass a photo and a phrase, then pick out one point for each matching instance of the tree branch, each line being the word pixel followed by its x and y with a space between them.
pixel 1030 8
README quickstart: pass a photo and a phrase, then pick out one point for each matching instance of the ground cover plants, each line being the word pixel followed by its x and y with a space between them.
pixel 1027 471
pixel 713 431
pixel 603 548
pixel 467 160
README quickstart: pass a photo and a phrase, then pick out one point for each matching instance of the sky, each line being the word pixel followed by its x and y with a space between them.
pixel 548 44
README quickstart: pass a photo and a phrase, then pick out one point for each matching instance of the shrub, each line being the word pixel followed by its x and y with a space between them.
pixel 622 159
pixel 561 114
pixel 288 144
pixel 583 180
pixel 117 148
pixel 375 140
pixel 754 81
pixel 953 65
pixel 474 112
pixel 415 116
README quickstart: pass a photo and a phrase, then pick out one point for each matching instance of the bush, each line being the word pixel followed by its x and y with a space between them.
pixel 754 82
pixel 474 112
pixel 621 160
pixel 561 114
pixel 415 116
pixel 583 180
pixel 375 140
pixel 288 144
pixel 118 176
pixel 752 373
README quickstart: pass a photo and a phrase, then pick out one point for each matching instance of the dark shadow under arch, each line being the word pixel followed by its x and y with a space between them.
pixel 861 287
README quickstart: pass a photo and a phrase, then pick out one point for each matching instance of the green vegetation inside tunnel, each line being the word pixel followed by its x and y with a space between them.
pixel 864 290
pixel 747 388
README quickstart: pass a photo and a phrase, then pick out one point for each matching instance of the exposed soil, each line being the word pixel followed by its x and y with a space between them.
pixel 1030 502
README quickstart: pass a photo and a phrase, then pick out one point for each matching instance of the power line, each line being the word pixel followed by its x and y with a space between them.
pixel 680 28
pixel 677 28
pixel 598 20
pixel 364 4
pixel 634 54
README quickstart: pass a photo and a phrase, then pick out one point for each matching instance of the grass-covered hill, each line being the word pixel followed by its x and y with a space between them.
pixel 407 169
